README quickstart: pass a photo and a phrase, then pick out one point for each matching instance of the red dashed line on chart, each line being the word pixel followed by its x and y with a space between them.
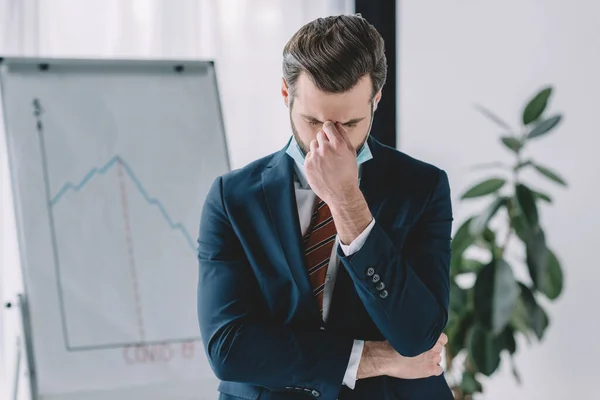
pixel 129 238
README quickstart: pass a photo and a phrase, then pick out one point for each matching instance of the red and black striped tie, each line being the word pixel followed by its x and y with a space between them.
pixel 318 245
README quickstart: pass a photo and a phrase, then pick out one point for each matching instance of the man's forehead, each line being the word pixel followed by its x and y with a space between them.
pixel 340 108
pixel 307 92
pixel 333 111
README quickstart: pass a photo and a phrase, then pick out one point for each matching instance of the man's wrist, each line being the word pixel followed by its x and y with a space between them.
pixel 351 215
pixel 347 197
pixel 371 363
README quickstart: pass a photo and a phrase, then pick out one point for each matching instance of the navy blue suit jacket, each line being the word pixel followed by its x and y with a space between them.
pixel 260 324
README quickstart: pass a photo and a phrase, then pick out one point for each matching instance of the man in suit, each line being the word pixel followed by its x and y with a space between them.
pixel 324 267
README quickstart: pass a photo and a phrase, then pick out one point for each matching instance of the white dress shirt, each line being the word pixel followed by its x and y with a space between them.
pixel 305 199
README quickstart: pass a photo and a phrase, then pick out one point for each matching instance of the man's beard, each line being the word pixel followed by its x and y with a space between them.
pixel 305 147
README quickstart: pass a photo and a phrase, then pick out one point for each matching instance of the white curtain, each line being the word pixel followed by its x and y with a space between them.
pixel 244 37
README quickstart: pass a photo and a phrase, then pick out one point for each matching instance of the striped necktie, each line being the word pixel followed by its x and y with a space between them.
pixel 318 245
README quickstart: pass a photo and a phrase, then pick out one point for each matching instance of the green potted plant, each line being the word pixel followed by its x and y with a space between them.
pixel 487 314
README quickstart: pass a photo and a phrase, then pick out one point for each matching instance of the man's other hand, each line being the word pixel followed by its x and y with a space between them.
pixel 380 358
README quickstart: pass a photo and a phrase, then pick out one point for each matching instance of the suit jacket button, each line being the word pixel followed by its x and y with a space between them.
pixel 383 294
pixel 316 393
pixel 375 278
pixel 380 286
pixel 370 271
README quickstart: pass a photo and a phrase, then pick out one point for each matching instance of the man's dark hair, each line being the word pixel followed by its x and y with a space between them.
pixel 335 52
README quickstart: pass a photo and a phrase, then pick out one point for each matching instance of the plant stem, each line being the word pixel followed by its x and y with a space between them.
pixel 449 359
pixel 510 207
pixel 458 393
pixel 509 230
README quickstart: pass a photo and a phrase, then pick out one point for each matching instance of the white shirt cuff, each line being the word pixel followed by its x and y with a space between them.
pixel 357 243
pixel 352 370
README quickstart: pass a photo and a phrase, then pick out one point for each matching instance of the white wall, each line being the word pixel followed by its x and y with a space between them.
pixel 455 53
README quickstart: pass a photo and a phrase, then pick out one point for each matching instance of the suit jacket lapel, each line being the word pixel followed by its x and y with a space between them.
pixel 280 196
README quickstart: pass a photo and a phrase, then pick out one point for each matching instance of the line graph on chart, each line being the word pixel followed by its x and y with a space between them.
pixel 117 160
pixel 122 259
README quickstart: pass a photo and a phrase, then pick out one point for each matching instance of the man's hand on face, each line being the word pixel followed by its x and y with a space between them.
pixel 380 358
pixel 331 167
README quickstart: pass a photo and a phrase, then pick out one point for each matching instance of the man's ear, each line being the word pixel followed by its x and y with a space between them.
pixel 376 100
pixel 285 92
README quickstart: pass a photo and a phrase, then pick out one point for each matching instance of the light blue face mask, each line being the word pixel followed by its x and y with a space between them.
pixel 294 151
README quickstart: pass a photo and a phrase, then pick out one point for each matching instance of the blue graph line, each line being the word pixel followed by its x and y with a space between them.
pixel 138 184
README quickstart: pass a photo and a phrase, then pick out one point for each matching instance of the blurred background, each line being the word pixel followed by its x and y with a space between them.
pixel 509 84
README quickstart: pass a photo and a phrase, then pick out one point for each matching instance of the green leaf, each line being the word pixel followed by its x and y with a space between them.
pixel 484 188
pixel 538 319
pixel 553 283
pixel 520 224
pixel 457 336
pixel 458 299
pixel 496 164
pixel 507 341
pixel 480 222
pixel 493 117
pixel 534 109
pixel 512 143
pixel 462 238
pixel 537 258
pixel 541 196
pixel 461 242
pixel 522 164
pixel 515 372
pixel 495 295
pixel 470 266
pixel 540 322
pixel 544 126
pixel 484 350
pixel 519 320
pixel 526 202
pixel 488 238
pixel 548 173
pixel 470 384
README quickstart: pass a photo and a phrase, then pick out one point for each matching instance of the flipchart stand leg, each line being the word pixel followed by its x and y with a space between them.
pixel 17 370
pixel 28 342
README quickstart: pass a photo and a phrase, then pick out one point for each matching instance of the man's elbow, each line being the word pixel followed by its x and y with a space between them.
pixel 219 353
pixel 223 369
pixel 222 366
pixel 419 341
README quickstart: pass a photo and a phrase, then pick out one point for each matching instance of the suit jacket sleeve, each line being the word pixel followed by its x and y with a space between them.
pixel 241 342
pixel 411 310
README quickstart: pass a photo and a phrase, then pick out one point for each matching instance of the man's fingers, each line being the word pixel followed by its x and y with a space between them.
pixel 321 138
pixel 331 132
pixel 314 145
pixel 435 367
pixel 437 348
pixel 336 134
pixel 344 135
pixel 443 339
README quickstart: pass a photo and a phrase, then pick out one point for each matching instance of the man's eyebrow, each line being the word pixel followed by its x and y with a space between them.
pixel 350 122
pixel 353 121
